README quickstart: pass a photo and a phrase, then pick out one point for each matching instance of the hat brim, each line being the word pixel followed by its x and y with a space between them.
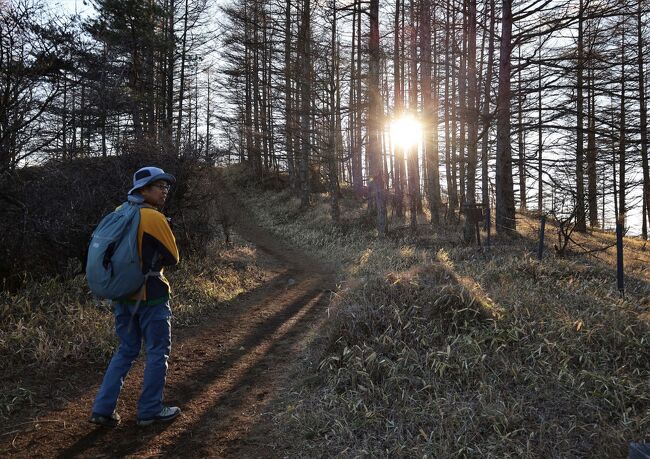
pixel 166 177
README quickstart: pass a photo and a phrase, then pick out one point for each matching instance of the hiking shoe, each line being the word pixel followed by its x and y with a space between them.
pixel 107 421
pixel 167 414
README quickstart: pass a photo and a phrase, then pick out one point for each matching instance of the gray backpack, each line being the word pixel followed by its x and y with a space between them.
pixel 113 267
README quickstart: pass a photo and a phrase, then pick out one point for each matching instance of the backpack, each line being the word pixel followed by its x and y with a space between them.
pixel 113 267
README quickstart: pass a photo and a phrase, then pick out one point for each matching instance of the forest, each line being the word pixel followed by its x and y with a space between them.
pixel 395 218
pixel 539 108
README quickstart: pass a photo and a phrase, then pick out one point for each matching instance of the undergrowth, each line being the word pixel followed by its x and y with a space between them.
pixel 438 349
pixel 57 321
pixel 54 322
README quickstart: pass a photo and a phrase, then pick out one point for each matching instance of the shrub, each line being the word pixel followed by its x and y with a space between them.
pixel 52 209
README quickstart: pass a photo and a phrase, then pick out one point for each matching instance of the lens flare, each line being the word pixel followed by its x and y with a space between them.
pixel 405 131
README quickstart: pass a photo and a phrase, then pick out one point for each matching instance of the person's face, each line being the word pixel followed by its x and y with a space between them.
pixel 155 193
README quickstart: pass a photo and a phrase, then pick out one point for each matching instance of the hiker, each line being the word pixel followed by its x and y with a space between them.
pixel 146 314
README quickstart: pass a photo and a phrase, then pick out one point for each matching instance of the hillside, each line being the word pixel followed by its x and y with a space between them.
pixel 324 157
pixel 438 349
pixel 426 347
pixel 239 309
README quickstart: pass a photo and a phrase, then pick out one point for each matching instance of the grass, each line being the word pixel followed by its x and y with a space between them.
pixel 438 349
pixel 54 322
pixel 57 321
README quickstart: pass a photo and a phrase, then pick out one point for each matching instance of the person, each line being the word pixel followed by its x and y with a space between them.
pixel 145 315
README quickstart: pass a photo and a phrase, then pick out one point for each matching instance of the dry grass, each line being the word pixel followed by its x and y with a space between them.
pixel 436 349
pixel 51 322
pixel 57 321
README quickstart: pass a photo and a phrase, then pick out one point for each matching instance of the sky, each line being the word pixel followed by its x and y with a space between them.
pixel 83 7
pixel 70 5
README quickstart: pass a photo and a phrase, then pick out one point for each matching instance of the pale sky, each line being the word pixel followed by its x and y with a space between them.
pixel 83 7
pixel 69 5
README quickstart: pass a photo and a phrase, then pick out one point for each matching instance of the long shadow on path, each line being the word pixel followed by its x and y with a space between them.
pixel 221 384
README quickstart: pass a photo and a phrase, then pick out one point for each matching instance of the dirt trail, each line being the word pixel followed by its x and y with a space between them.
pixel 225 373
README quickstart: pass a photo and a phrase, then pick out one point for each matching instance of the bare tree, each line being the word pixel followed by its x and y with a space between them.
pixel 430 109
pixel 472 115
pixel 374 119
pixel 304 56
pixel 505 201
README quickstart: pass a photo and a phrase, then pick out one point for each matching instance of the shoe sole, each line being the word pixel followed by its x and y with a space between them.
pixel 148 422
pixel 105 424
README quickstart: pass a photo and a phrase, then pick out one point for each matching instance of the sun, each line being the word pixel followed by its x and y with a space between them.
pixel 405 131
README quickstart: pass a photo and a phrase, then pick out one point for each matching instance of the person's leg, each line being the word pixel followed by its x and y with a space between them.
pixel 128 330
pixel 156 331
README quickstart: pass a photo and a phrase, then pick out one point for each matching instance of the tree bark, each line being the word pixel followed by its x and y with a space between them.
pixel 462 109
pixel 398 112
pixel 169 76
pixel 485 192
pixel 521 136
pixel 358 108
pixel 644 124
pixel 289 115
pixel 472 116
pixel 430 109
pixel 305 101
pixel 540 139
pixel 412 154
pixel 333 180
pixel 451 196
pixel 622 186
pixel 592 178
pixel 581 224
pixel 181 88
pixel 375 118
pixel 505 202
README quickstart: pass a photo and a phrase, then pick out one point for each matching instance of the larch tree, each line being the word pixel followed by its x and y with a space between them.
pixel 375 116
pixel 472 115
pixel 505 200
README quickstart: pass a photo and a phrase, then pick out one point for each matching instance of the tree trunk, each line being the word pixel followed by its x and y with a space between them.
pixel 289 115
pixel 375 118
pixel 451 196
pixel 430 109
pixel 398 112
pixel 102 103
pixel 505 202
pixel 256 154
pixel 581 224
pixel 333 180
pixel 169 86
pixel 521 136
pixel 592 188
pixel 540 139
pixel 485 192
pixel 304 55
pixel 149 71
pixel 181 88
pixel 462 110
pixel 412 154
pixel 644 124
pixel 356 108
pixel 453 192
pixel 264 100
pixel 472 116
pixel 622 205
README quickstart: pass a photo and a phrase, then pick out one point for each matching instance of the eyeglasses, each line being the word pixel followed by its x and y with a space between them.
pixel 162 186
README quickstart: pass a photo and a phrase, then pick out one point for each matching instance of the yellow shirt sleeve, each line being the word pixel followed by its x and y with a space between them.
pixel 155 224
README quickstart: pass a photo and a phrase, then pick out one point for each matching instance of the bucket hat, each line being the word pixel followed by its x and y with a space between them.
pixel 146 175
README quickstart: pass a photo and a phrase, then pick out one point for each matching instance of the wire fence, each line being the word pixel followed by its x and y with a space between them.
pixel 565 230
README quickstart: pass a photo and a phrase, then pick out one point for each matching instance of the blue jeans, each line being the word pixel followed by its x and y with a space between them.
pixel 150 323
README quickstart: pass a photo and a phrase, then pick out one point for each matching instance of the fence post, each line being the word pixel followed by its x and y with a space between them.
pixel 620 274
pixel 540 249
